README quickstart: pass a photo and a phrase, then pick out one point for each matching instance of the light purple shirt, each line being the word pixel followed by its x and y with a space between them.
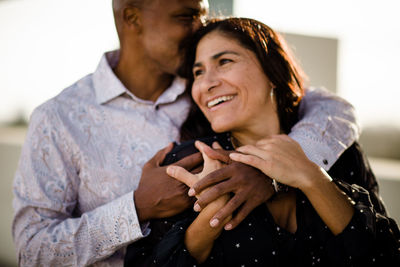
pixel 83 156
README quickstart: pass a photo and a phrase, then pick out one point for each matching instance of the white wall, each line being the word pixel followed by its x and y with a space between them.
pixel 369 44
pixel 46 45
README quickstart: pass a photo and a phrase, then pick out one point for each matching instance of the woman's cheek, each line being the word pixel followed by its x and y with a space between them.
pixel 196 95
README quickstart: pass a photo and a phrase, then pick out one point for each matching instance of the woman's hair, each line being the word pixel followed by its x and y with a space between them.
pixel 275 59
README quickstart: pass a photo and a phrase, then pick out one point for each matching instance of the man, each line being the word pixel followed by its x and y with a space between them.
pixel 87 183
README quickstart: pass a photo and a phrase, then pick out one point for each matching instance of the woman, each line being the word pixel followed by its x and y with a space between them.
pixel 247 88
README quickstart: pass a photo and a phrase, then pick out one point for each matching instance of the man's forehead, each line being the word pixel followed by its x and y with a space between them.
pixel 201 5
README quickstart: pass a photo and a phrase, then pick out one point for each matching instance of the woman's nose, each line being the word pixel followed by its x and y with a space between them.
pixel 210 81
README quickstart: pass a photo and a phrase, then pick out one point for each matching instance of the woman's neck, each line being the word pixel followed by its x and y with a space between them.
pixel 251 135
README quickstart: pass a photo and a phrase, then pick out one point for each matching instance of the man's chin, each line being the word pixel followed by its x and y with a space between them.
pixel 181 71
pixel 173 69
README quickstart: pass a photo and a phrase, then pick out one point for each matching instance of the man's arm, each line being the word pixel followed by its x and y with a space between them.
pixel 47 227
pixel 327 126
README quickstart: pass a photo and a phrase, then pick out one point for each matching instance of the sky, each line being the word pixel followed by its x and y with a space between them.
pixel 49 44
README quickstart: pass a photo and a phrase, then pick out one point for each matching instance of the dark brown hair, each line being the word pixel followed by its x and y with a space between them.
pixel 275 59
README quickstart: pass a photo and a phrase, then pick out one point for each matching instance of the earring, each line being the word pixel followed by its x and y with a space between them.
pixel 271 94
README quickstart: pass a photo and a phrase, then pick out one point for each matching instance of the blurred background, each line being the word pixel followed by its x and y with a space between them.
pixel 349 47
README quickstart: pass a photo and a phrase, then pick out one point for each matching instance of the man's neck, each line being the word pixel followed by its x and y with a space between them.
pixel 141 80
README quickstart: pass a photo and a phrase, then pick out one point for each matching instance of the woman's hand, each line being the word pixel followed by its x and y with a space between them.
pixel 190 179
pixel 281 158
pixel 200 236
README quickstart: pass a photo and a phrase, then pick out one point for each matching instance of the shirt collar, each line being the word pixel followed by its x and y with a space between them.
pixel 107 86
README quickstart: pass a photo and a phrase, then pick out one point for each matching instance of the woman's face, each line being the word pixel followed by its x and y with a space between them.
pixel 229 85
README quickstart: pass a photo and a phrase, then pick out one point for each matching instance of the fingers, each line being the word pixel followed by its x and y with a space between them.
pixel 182 175
pixel 225 212
pixel 202 147
pixel 190 162
pixel 216 145
pixel 251 160
pixel 211 179
pixel 212 193
pixel 240 215
pixel 253 150
pixel 220 154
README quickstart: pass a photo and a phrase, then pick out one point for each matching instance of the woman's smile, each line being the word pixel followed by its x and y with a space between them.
pixel 230 86
pixel 217 101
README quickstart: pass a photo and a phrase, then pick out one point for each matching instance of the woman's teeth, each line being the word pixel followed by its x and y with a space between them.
pixel 218 100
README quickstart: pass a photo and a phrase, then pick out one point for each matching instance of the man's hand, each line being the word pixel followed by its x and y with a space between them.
pixel 158 195
pixel 249 185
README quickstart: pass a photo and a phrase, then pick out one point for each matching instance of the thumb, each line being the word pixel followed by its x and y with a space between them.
pixel 182 175
pixel 216 145
pixel 216 153
pixel 159 157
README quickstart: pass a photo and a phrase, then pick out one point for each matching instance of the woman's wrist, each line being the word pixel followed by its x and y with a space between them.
pixel 200 236
pixel 313 179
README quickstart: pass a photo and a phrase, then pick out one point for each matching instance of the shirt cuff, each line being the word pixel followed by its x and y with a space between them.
pixel 127 227
pixel 317 150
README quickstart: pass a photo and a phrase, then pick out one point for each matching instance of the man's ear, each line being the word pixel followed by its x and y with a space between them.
pixel 131 16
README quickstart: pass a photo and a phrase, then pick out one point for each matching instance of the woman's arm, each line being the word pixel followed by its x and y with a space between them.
pixel 332 205
pixel 362 235
pixel 283 159
pixel 200 235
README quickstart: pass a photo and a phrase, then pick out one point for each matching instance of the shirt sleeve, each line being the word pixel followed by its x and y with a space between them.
pixel 327 126
pixel 370 238
pixel 48 228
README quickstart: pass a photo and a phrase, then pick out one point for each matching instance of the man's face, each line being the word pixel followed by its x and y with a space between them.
pixel 165 24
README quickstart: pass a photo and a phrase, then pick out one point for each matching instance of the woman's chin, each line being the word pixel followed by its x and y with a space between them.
pixel 218 128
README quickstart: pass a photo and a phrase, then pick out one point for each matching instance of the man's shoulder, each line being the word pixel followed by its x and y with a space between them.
pixel 82 90
pixel 80 93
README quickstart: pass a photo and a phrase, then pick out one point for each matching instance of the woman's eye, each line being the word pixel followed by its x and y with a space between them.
pixel 197 73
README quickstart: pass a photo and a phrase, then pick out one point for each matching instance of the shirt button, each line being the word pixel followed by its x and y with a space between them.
pixel 325 162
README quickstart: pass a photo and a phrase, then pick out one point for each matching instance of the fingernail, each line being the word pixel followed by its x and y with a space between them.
pixel 214 222
pixel 170 170
pixel 197 207
pixel 191 192
pixel 233 156
pixel 228 226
